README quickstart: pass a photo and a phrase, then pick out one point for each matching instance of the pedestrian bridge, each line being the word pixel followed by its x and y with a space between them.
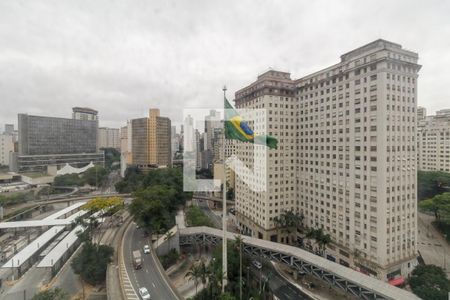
pixel 349 280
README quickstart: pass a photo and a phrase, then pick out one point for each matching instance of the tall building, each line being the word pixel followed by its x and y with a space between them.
pixel 46 141
pixel 125 147
pixel 421 113
pixel 6 147
pixel 151 141
pixel 175 140
pixel 346 157
pixel 9 129
pixel 84 113
pixel 108 138
pixel 433 142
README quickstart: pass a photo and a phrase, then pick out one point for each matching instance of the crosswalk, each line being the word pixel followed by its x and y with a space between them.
pixel 129 291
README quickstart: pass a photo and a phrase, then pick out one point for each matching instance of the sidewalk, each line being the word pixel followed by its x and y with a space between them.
pixel 177 275
pixel 432 245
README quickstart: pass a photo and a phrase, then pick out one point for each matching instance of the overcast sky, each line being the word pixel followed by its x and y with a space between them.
pixel 123 57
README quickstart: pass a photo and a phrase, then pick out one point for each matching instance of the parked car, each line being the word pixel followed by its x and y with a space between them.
pixel 257 264
pixel 146 249
pixel 145 295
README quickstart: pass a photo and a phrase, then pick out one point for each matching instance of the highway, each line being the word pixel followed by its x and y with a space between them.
pixel 149 276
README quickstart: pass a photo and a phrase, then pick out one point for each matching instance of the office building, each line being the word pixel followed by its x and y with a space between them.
pixel 125 148
pixel 421 113
pixel 151 141
pixel 84 113
pixel 9 130
pixel 49 141
pixel 6 147
pixel 108 138
pixel 433 142
pixel 346 158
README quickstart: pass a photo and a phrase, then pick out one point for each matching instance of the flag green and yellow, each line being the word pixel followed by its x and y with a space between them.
pixel 238 129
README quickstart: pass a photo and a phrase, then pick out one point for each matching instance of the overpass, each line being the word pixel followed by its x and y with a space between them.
pixel 210 198
pixel 349 280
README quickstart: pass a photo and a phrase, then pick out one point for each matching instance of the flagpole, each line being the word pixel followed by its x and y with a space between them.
pixel 224 209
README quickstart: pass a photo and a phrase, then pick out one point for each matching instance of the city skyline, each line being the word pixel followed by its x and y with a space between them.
pixel 131 64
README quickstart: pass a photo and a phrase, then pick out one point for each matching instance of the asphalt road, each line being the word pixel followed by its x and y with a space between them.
pixel 277 284
pixel 211 215
pixel 149 276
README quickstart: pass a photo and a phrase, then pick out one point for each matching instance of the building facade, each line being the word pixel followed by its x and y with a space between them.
pixel 84 113
pixel 6 147
pixel 346 157
pixel 151 141
pixel 108 138
pixel 49 141
pixel 433 142
pixel 48 135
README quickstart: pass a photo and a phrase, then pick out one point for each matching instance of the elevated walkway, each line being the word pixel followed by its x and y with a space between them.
pixel 351 281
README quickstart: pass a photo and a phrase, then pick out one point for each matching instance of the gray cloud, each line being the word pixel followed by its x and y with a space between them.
pixel 123 57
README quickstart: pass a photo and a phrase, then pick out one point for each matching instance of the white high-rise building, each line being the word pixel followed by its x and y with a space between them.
pixel 433 142
pixel 108 138
pixel 6 147
pixel 346 157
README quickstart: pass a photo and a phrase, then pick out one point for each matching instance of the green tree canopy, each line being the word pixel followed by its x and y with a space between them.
pixel 439 205
pixel 430 282
pixel 51 294
pixel 432 183
pixel 92 262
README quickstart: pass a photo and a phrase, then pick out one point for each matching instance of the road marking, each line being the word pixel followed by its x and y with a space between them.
pixel 153 285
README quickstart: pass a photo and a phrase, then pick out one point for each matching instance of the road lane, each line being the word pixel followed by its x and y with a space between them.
pixel 149 275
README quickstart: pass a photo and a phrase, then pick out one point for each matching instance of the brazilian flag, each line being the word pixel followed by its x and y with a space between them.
pixel 237 129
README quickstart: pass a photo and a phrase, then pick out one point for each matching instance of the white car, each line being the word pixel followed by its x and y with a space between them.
pixel 145 295
pixel 146 249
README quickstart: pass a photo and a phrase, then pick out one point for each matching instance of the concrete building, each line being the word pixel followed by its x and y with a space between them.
pixel 9 130
pixel 108 138
pixel 6 147
pixel 125 148
pixel 346 158
pixel 151 141
pixel 175 140
pixel 49 141
pixel 84 113
pixel 421 113
pixel 433 142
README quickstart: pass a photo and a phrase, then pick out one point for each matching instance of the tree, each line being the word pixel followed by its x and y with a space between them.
pixel 429 282
pixel 439 205
pixel 95 176
pixel 112 158
pixel 227 296
pixel 92 262
pixel 51 294
pixel 196 217
pixel 432 183
pixel 290 221
pixel 194 274
pixel 102 203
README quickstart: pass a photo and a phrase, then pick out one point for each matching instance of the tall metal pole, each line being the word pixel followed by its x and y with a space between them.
pixel 224 210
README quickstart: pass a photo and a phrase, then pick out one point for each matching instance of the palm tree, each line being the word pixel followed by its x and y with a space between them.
pixel 238 245
pixel 203 273
pixel 323 240
pixel 194 274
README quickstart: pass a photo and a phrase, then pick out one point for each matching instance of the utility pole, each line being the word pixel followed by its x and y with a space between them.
pixel 224 211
